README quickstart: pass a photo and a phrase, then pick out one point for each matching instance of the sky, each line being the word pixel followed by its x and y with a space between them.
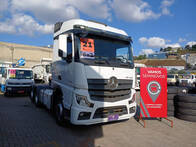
pixel 152 24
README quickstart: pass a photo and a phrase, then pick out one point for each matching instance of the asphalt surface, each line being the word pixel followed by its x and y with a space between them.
pixel 22 124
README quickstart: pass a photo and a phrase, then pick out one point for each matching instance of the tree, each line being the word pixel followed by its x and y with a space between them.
pixel 140 57
pixel 161 49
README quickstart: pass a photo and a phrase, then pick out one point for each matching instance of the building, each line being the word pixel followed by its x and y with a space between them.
pixel 161 55
pixel 11 52
pixel 170 64
pixel 190 58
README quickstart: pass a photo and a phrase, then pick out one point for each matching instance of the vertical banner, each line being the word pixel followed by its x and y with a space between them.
pixel 153 91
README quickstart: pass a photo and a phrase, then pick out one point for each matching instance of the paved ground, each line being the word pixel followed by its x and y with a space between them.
pixel 22 124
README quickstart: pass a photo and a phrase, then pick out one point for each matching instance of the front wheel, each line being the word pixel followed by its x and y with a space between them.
pixel 31 96
pixel 36 99
pixel 59 114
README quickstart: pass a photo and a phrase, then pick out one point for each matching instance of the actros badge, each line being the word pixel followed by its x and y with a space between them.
pixel 154 89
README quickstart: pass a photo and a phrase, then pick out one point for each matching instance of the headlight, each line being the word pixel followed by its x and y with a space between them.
pixel 9 88
pixel 82 100
pixel 133 99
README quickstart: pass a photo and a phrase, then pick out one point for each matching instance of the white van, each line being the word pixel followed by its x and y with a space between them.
pixel 17 81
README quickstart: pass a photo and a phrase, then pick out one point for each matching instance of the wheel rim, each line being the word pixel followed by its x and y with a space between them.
pixel 36 100
pixel 58 113
pixel 31 94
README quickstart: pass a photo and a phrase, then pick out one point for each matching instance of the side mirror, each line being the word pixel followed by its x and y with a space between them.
pixel 62 52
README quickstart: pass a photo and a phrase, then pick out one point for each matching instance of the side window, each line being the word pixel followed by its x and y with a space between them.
pixel 4 73
pixel 122 52
pixel 69 47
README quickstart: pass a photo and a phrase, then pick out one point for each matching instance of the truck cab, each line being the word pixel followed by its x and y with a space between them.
pixel 42 73
pixel 93 74
pixel 187 80
pixel 17 81
pixel 172 79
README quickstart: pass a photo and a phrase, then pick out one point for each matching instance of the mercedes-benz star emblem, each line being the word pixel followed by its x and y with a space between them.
pixel 113 83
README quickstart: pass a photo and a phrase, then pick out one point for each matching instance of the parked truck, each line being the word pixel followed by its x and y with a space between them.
pixel 3 65
pixel 42 73
pixel 17 81
pixel 172 79
pixel 187 80
pixel 93 74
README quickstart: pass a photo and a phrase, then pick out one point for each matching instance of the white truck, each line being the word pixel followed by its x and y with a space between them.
pixel 17 81
pixel 42 73
pixel 187 80
pixel 172 79
pixel 3 65
pixel 93 74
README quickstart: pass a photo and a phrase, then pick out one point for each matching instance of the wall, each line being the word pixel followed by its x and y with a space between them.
pixel 32 54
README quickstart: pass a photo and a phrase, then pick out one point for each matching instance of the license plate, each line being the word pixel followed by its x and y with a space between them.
pixel 113 117
pixel 21 91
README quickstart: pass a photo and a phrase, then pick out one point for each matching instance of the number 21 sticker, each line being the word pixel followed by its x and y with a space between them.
pixel 87 45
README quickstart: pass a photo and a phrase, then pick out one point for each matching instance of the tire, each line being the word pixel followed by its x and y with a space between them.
pixel 31 96
pixel 170 113
pixel 172 90
pixel 184 105
pixel 170 108
pixel 192 90
pixel 59 114
pixel 171 96
pixel 186 117
pixel 188 98
pixel 36 100
pixel 186 111
pixel 6 94
pixel 182 90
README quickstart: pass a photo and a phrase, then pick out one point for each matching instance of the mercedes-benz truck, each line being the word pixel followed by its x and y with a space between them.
pixel 93 74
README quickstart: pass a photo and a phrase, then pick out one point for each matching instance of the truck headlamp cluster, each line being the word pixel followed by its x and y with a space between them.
pixel 82 100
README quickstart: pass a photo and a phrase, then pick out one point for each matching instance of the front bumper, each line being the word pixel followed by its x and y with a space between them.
pixel 92 116
pixel 18 90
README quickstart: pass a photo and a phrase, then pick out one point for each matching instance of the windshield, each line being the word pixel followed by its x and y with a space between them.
pixel 1 70
pixel 185 76
pixel 170 76
pixel 105 51
pixel 48 69
pixel 20 74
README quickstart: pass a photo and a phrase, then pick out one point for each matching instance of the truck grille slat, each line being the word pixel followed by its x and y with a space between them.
pixel 100 90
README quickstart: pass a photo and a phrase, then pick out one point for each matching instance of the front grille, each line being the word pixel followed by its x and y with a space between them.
pixel 100 90
pixel 184 81
pixel 19 83
pixel 107 111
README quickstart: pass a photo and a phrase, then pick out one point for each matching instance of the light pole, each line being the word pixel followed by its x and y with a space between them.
pixel 12 51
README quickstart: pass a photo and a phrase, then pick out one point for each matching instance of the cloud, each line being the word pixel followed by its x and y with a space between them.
pixel 47 11
pixel 24 24
pixel 92 8
pixel 152 42
pixel 174 45
pixel 180 40
pixel 133 10
pixel 146 51
pixel 164 6
pixel 157 42
pixel 3 6
pixel 51 11
pixel 191 43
